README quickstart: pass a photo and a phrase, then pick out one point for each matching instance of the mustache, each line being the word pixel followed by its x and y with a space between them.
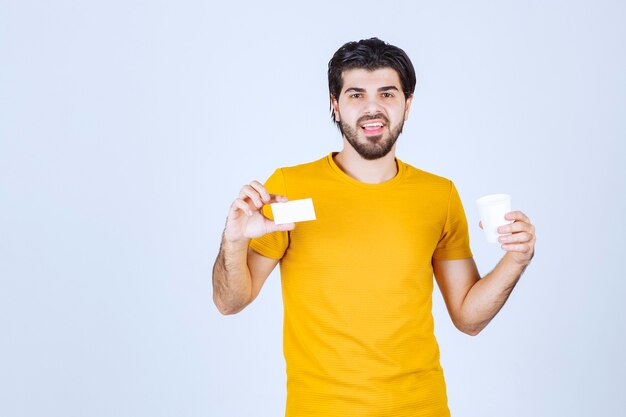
pixel 377 116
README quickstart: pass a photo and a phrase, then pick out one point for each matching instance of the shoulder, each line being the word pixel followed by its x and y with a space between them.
pixel 423 177
pixel 300 178
pixel 305 168
pixel 304 172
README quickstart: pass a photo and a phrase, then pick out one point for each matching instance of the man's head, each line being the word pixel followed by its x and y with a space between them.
pixel 371 86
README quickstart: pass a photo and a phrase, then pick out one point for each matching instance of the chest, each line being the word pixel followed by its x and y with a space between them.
pixel 369 228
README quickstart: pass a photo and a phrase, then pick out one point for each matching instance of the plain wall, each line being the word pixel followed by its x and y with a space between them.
pixel 127 128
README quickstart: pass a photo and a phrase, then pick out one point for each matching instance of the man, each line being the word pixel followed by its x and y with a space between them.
pixel 357 282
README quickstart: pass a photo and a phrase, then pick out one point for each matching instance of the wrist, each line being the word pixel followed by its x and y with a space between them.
pixel 234 242
pixel 518 259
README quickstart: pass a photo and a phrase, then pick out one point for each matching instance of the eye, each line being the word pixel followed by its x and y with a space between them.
pixel 356 95
pixel 387 95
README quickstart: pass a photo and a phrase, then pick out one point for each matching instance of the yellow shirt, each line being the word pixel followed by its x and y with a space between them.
pixel 357 290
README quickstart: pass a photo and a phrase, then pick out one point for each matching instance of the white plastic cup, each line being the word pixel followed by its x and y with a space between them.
pixel 492 209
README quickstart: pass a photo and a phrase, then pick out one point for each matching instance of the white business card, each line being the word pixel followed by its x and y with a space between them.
pixel 293 211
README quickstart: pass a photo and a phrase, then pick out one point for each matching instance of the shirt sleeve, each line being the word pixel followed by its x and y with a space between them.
pixel 272 245
pixel 454 242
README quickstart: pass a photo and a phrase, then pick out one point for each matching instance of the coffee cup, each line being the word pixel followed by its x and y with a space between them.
pixel 492 209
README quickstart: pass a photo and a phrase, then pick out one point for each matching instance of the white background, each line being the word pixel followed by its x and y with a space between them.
pixel 128 127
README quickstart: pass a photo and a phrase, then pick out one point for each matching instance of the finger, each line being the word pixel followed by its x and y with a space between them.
pixel 480 224
pixel 515 227
pixel 517 215
pixel 518 247
pixel 521 237
pixel 243 206
pixel 265 196
pixel 285 226
pixel 273 227
pixel 275 198
pixel 252 194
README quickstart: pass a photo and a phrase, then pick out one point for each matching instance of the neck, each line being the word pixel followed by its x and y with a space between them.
pixel 375 171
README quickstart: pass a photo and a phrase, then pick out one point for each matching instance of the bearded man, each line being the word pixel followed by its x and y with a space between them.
pixel 357 282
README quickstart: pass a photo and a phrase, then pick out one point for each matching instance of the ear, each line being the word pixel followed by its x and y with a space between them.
pixel 335 104
pixel 407 107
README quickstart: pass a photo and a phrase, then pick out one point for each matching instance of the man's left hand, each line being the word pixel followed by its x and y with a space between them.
pixel 520 243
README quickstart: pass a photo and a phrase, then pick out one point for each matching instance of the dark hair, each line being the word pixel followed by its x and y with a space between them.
pixel 370 54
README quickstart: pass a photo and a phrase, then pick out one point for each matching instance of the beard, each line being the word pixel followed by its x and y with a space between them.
pixel 371 147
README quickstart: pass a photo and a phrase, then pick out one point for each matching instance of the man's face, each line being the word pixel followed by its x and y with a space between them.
pixel 371 110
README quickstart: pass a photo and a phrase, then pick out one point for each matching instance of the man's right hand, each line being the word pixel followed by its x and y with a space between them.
pixel 245 217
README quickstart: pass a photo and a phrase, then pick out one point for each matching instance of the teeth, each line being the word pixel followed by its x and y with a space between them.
pixel 377 124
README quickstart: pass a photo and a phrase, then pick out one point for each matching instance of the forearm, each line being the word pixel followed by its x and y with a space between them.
pixel 232 285
pixel 487 296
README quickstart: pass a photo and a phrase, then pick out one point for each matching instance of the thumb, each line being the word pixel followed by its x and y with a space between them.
pixel 480 224
pixel 284 227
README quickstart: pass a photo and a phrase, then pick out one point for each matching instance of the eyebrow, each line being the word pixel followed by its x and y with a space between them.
pixel 381 89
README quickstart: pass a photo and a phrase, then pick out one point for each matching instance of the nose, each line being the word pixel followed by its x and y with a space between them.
pixel 373 105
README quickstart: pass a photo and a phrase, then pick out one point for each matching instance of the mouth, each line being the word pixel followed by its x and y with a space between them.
pixel 373 127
